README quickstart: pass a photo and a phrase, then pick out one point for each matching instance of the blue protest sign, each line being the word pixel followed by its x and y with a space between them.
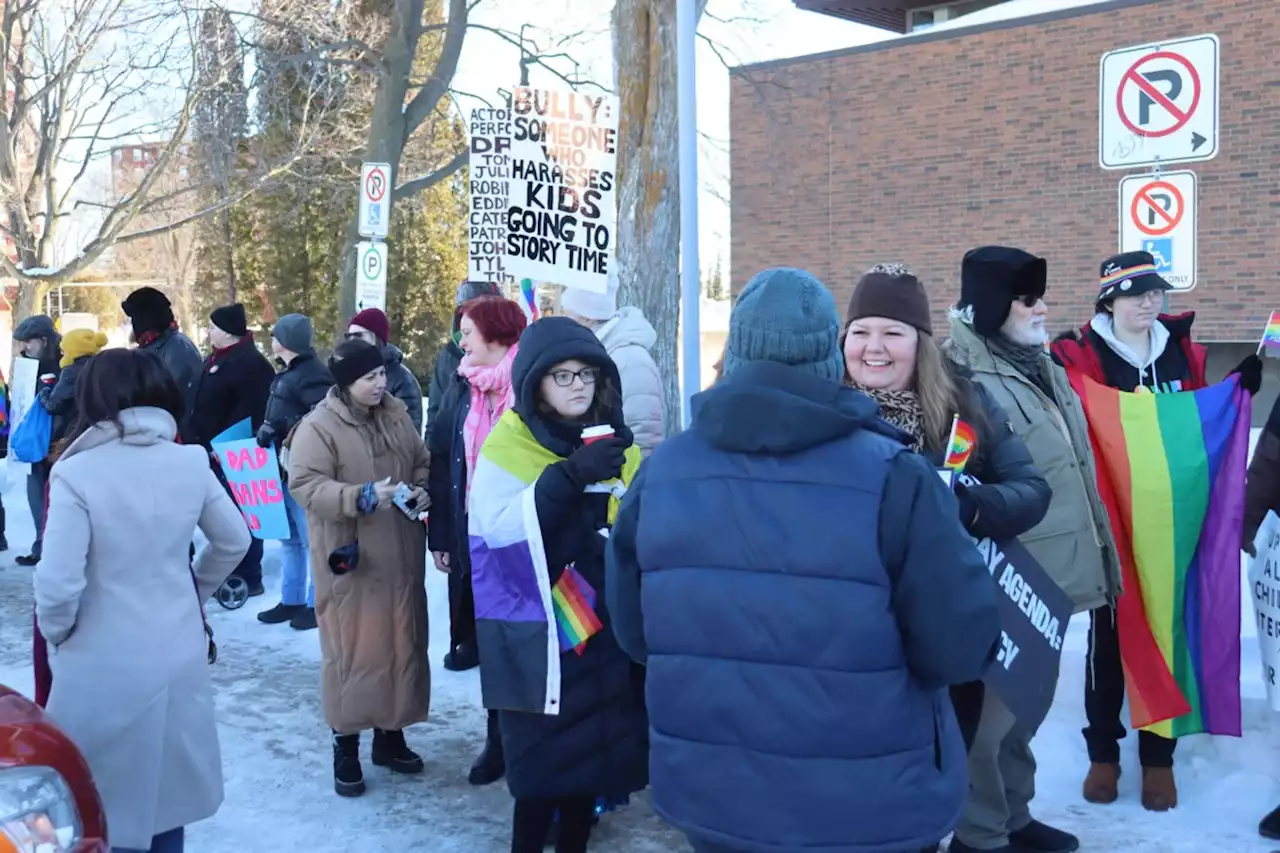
pixel 254 475
pixel 235 432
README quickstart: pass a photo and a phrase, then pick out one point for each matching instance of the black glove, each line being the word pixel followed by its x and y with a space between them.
pixel 266 435
pixel 597 461
pixel 1250 371
pixel 968 506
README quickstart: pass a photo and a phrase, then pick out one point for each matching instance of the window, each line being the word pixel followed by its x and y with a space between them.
pixel 924 19
pixel 182 172
pixel 137 154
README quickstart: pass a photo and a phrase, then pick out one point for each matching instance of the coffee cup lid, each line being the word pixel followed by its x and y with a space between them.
pixel 597 431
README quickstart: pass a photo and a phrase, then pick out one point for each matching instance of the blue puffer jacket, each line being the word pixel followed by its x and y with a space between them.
pixel 802 591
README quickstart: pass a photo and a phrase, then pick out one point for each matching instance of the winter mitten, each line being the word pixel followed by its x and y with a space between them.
pixel 596 462
pixel 1250 371
pixel 266 435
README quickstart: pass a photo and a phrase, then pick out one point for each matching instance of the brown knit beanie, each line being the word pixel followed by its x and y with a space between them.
pixel 891 291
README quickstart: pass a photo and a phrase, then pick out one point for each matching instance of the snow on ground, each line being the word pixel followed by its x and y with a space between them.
pixel 277 758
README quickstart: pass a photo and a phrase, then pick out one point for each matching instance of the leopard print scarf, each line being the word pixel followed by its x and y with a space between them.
pixel 901 409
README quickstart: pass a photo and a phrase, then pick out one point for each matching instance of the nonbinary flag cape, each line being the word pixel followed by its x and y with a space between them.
pixel 518 622
pixel 1171 471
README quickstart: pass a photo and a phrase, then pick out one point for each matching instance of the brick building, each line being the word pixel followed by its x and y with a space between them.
pixel 918 148
pixel 152 257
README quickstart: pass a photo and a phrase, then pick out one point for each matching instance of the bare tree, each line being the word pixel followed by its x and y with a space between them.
pixel 648 241
pixel 84 78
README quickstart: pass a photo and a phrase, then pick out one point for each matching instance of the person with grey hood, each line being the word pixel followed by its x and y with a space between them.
pixel 628 337
pixel 39 340
pixel 998 335
pixel 298 389
pixel 450 355
pixel 372 326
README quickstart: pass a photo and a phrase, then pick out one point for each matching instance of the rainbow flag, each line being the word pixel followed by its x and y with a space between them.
pixel 574 601
pixel 1171 472
pixel 1271 334
pixel 963 438
pixel 529 300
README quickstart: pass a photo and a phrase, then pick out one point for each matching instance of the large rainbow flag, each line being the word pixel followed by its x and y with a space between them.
pixel 1171 471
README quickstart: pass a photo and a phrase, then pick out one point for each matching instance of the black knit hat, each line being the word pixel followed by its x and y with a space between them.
pixel 991 277
pixel 149 310
pixel 353 359
pixel 891 291
pixel 545 344
pixel 231 319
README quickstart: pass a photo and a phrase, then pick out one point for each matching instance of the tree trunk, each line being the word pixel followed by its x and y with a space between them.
pixel 224 224
pixel 648 239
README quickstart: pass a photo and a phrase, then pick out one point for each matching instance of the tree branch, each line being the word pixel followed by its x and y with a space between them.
pixel 428 97
pixel 417 185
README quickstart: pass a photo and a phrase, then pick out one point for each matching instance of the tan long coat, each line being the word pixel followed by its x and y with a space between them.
pixel 373 620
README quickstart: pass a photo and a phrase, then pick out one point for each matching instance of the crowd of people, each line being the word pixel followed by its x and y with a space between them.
pixel 793 553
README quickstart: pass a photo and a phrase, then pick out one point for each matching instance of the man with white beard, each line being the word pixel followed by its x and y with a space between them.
pixel 998 333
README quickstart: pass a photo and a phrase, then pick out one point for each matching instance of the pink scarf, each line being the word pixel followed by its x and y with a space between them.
pixel 485 379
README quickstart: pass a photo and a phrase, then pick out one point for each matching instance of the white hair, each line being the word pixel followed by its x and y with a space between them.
pixel 963 313
pixel 893 269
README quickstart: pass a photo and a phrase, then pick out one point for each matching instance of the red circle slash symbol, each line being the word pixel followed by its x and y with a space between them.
pixel 1169 218
pixel 375 185
pixel 1146 87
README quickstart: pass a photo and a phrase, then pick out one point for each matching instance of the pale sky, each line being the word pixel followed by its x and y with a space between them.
pixel 753 31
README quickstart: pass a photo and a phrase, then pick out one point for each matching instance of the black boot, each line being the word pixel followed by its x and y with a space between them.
pixel 462 658
pixel 1037 837
pixel 491 765
pixel 280 613
pixel 1270 826
pixel 348 778
pixel 304 619
pixel 390 751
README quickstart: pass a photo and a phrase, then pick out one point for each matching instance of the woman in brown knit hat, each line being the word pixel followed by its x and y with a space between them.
pixel 891 356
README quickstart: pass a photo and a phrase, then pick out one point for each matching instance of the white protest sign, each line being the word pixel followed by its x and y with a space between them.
pixel 1264 583
pixel 562 208
pixel 490 167
pixel 22 396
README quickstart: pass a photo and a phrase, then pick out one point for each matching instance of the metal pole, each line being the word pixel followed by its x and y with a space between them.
pixel 690 272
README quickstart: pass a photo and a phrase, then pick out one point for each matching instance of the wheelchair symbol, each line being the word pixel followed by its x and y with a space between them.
pixel 1161 251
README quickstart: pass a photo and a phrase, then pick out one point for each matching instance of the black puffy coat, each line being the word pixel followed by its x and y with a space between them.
pixel 182 358
pixel 403 385
pixel 442 379
pixel 447 482
pixel 295 392
pixel 59 399
pixel 598 745
pixel 233 385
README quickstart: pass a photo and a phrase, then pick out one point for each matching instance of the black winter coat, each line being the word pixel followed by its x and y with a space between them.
pixel 403 385
pixel 183 360
pixel 447 480
pixel 1013 497
pixel 233 386
pixel 598 745
pixel 295 392
pixel 446 369
pixel 59 399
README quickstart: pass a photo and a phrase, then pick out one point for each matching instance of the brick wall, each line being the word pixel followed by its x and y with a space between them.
pixel 917 150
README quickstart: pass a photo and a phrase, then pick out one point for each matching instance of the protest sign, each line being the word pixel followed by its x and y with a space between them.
pixel 236 432
pixel 254 475
pixel 22 396
pixel 1034 612
pixel 562 206
pixel 490 167
pixel 1264 582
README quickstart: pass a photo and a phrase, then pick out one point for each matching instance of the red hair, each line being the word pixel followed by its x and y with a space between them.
pixel 498 320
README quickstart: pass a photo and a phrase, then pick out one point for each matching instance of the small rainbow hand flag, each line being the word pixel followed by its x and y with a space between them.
pixel 529 300
pixel 574 603
pixel 1271 334
pixel 960 448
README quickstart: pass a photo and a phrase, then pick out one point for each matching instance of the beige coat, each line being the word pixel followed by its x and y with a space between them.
pixel 1073 543
pixel 373 620
pixel 116 600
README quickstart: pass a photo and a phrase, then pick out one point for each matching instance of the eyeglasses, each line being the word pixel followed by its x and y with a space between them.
pixel 1028 300
pixel 564 378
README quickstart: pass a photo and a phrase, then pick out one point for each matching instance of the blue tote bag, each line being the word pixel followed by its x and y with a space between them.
pixel 30 439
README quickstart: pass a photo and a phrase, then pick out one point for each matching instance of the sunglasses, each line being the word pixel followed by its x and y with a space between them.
pixel 564 378
pixel 1028 300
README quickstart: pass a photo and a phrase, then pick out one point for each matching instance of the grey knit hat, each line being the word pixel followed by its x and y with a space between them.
pixel 294 333
pixel 787 316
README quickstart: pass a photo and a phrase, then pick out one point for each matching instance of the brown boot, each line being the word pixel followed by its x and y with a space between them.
pixel 1102 784
pixel 1159 793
